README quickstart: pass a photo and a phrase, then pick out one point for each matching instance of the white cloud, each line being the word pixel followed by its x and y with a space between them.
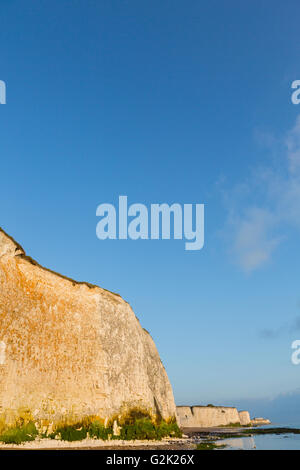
pixel 256 229
pixel 253 239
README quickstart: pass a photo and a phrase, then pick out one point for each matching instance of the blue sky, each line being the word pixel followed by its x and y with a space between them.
pixel 165 101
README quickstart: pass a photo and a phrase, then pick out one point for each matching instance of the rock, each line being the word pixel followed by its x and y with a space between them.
pixel 116 429
pixel 70 349
pixel 244 418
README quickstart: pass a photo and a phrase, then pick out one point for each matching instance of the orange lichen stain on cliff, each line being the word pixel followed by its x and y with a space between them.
pixel 48 330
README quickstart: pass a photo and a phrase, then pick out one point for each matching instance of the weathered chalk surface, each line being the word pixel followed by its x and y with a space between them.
pixel 69 348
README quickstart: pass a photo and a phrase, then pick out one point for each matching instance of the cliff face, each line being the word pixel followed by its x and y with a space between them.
pixel 69 348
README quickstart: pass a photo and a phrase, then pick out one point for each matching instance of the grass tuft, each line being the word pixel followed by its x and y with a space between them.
pixel 17 435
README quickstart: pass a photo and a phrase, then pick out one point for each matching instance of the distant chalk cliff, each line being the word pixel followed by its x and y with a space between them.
pixel 214 416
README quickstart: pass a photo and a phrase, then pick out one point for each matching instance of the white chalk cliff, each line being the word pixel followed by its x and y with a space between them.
pixel 72 349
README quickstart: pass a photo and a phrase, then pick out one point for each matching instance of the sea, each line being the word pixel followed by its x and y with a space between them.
pixel 286 441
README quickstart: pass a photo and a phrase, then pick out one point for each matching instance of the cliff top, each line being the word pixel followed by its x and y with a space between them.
pixel 8 245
